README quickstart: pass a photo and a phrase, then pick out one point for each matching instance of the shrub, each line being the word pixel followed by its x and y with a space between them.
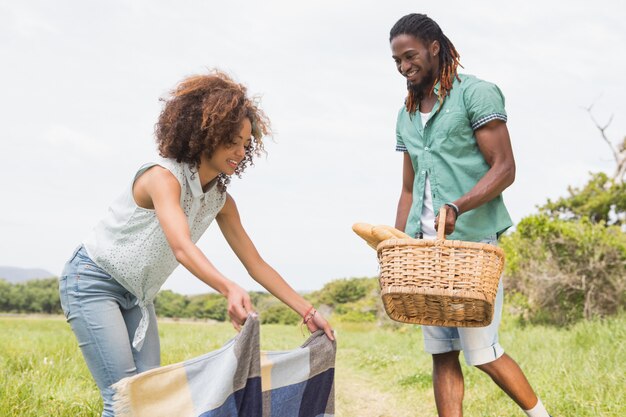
pixel 208 306
pixel 279 313
pixel 568 269
pixel 602 200
pixel 342 291
pixel 35 296
pixel 170 304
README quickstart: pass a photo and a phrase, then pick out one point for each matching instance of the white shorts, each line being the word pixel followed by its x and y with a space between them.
pixel 479 344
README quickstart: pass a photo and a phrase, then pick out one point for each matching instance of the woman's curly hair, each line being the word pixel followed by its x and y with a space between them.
pixel 204 112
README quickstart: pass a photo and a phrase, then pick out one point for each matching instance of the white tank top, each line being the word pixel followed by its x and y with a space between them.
pixel 427 218
pixel 129 242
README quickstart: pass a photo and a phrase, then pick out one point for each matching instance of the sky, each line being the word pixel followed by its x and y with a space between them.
pixel 81 82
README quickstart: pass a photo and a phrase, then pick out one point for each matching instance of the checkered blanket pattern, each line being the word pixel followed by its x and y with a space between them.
pixel 237 380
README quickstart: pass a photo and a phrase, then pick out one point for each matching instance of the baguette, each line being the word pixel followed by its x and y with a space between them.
pixel 397 233
pixel 364 230
pixel 382 233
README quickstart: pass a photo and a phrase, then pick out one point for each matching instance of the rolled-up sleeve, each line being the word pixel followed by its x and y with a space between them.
pixel 400 146
pixel 484 102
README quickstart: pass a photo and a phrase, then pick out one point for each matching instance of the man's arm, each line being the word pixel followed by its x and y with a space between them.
pixel 495 145
pixel 406 195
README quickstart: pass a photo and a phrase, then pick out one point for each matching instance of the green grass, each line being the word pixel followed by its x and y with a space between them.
pixel 380 372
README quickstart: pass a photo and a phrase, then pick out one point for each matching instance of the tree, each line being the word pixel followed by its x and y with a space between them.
pixel 207 306
pixel 36 296
pixel 341 291
pixel 279 313
pixel 602 200
pixel 570 259
pixel 5 295
pixel 619 151
pixel 170 304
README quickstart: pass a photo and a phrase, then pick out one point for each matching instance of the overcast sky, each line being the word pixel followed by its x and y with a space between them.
pixel 80 83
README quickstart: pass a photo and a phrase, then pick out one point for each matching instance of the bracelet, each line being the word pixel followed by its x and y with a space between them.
pixel 309 315
pixel 454 208
pixel 307 312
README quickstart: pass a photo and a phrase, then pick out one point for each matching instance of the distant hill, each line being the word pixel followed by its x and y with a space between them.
pixel 16 275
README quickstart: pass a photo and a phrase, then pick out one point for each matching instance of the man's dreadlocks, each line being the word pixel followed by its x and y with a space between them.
pixel 427 30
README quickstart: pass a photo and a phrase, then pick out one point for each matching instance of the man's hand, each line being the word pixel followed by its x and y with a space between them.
pixel 450 219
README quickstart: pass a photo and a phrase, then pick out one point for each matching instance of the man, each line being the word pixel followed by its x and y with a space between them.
pixel 457 152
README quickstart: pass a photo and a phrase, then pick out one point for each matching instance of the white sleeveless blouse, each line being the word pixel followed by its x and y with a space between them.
pixel 129 242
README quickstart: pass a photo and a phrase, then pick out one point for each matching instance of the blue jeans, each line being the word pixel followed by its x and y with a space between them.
pixel 104 316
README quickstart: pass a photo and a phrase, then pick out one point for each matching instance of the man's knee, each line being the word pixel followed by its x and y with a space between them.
pixel 442 359
pixel 492 366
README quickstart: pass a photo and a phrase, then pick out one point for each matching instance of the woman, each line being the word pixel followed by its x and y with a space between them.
pixel 208 130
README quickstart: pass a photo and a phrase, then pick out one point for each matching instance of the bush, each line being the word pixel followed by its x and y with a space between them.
pixel 279 313
pixel 170 304
pixel 36 296
pixel 208 306
pixel 569 270
pixel 602 200
pixel 344 291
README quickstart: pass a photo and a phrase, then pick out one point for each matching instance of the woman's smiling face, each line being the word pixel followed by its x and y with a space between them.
pixel 226 158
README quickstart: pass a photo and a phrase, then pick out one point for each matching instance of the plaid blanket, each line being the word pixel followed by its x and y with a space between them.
pixel 237 380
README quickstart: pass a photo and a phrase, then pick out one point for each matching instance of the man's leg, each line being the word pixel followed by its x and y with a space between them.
pixel 507 374
pixel 444 345
pixel 481 349
pixel 448 384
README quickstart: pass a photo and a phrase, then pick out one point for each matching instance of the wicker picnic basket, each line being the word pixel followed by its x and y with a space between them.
pixel 439 282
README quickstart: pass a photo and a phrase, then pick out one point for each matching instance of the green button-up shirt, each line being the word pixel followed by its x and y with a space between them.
pixel 445 149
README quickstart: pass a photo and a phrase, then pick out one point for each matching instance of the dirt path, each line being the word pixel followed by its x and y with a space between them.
pixel 356 395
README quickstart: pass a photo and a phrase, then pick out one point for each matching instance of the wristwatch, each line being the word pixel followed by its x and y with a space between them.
pixel 454 208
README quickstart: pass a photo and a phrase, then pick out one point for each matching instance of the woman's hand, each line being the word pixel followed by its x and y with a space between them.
pixel 239 305
pixel 315 321
pixel 230 223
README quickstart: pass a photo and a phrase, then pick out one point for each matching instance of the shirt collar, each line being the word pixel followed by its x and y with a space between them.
pixel 193 179
pixel 436 88
pixel 438 104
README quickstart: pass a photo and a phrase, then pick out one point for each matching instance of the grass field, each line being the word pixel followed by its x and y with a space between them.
pixel 578 371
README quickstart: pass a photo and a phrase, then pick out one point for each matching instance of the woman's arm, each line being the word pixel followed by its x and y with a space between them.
pixel 230 223
pixel 158 188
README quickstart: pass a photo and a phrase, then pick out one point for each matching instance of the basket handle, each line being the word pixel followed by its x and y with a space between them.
pixel 441 227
